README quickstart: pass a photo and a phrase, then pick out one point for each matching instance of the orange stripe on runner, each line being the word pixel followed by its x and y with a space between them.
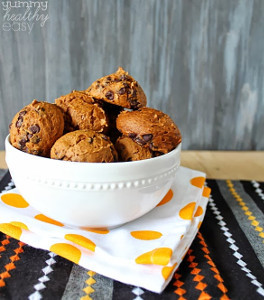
pixel 11 266
pixel 198 278
pixel 89 289
pixel 252 219
pixel 4 242
pixel 179 291
pixel 217 275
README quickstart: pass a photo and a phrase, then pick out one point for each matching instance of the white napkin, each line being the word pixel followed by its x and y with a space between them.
pixel 144 252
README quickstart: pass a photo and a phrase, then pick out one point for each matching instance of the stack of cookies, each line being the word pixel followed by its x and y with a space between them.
pixel 107 122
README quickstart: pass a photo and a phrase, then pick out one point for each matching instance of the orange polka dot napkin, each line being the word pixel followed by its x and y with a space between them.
pixel 144 252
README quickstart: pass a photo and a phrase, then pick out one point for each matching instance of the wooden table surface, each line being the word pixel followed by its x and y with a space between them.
pixel 236 165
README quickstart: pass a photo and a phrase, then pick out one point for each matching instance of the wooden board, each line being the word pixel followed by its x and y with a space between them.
pixel 246 165
pixel 2 160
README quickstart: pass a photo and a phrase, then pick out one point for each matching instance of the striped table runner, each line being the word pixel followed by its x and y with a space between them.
pixel 225 261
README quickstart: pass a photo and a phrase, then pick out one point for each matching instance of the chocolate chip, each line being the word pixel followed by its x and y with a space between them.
pixel 123 77
pixel 19 122
pixel 152 147
pixel 128 92
pixel 132 135
pixel 23 112
pixel 157 153
pixel 126 85
pixel 29 136
pixel 109 95
pixel 108 78
pixel 122 91
pixel 36 152
pixel 22 143
pixel 133 103
pixel 10 125
pixel 34 128
pixel 134 94
pixel 147 137
pixel 35 140
pixel 140 141
pixel 90 141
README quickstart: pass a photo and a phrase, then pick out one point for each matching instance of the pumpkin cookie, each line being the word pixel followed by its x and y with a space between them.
pixel 120 89
pixel 81 112
pixel 128 150
pixel 150 128
pixel 84 146
pixel 36 127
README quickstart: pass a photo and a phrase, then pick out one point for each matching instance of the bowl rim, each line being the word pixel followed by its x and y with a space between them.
pixel 63 162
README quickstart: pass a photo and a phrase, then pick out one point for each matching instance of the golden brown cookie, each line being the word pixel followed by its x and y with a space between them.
pixel 150 128
pixel 36 127
pixel 84 146
pixel 81 112
pixel 128 150
pixel 120 89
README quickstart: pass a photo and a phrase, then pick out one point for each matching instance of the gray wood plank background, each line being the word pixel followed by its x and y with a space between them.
pixel 200 61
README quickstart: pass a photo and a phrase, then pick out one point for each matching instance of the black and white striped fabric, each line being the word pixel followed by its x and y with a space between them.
pixel 225 261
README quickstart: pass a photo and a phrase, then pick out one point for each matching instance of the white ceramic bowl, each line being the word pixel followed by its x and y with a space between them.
pixel 92 194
